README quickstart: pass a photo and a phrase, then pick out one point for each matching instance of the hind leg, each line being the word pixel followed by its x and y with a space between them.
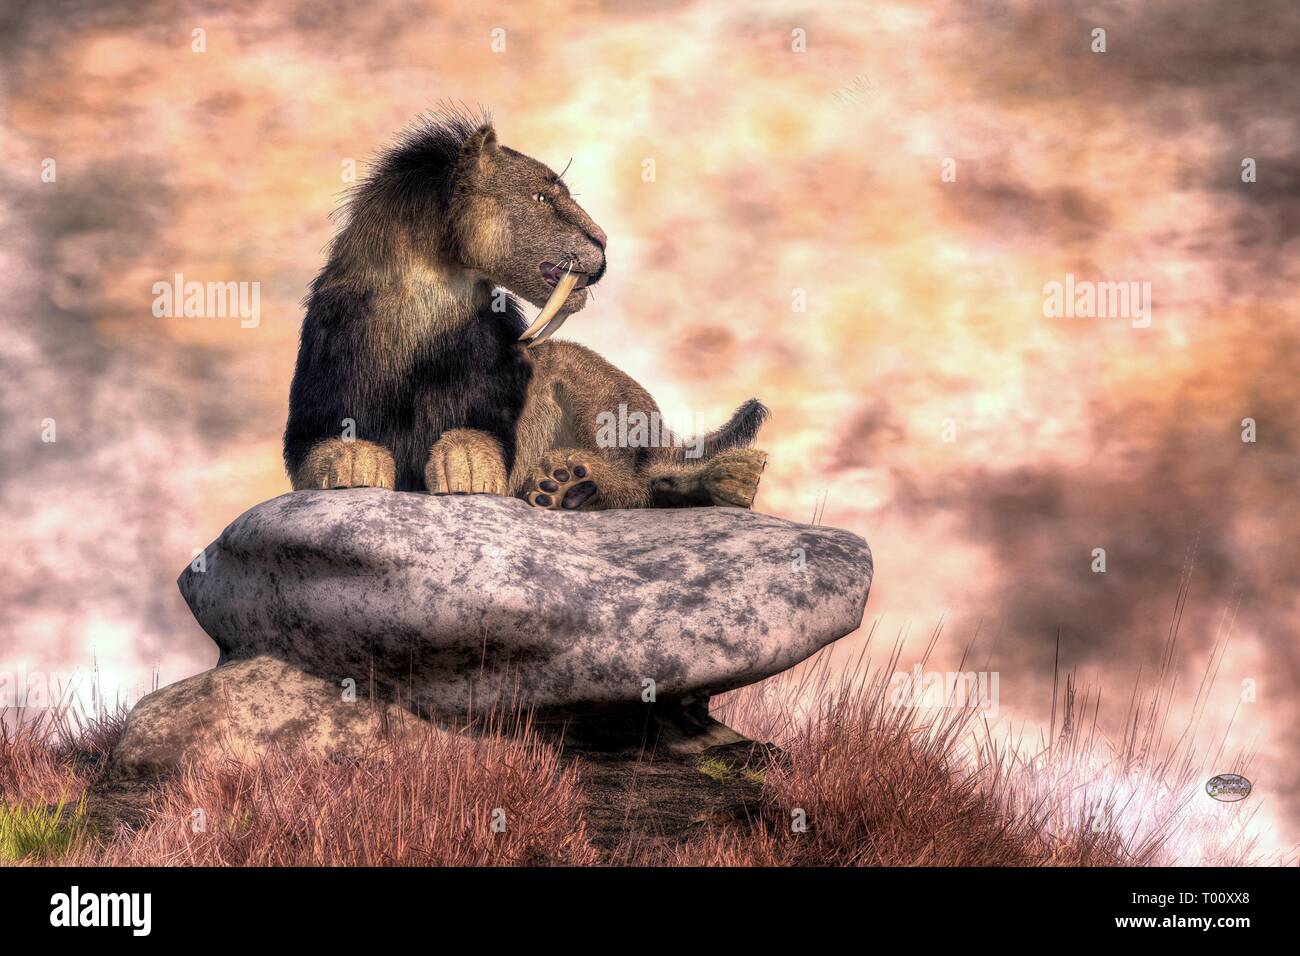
pixel 573 479
pixel 729 479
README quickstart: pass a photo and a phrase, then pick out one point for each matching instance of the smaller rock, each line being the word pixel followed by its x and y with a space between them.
pixel 241 709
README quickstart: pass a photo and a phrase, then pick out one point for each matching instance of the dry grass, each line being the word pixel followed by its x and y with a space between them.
pixel 49 753
pixel 32 768
pixel 876 783
pixel 423 799
pixel 888 785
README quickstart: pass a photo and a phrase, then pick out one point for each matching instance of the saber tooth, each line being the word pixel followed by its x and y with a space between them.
pixel 551 328
pixel 561 292
pixel 532 329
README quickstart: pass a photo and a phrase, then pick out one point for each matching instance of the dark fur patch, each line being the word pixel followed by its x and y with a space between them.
pixel 472 376
pixel 410 185
pixel 467 373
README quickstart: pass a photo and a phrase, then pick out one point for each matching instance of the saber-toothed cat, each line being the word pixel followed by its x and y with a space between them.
pixel 412 350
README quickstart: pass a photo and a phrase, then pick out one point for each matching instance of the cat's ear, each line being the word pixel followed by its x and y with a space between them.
pixel 480 150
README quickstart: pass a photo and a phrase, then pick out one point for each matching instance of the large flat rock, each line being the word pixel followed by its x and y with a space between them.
pixel 456 604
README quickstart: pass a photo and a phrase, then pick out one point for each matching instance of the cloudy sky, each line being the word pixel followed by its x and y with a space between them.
pixel 915 174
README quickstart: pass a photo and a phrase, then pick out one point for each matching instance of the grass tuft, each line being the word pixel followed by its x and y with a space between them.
pixel 44 834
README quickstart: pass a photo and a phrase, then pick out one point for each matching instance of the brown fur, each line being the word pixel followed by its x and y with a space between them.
pixel 572 386
pixel 466 461
pixel 339 463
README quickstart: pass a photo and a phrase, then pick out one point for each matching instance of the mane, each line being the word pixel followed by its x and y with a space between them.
pixel 409 182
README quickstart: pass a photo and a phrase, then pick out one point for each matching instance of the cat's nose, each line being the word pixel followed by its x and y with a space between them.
pixel 598 237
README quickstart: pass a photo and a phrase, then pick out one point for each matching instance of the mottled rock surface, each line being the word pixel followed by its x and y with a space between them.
pixel 243 709
pixel 449 607
pixel 457 603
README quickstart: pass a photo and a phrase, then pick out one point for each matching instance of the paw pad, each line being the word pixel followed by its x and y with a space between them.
pixel 567 486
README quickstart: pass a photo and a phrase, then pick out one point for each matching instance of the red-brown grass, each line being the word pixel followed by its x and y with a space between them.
pixel 884 784
pixel 875 783
pixel 50 753
pixel 424 798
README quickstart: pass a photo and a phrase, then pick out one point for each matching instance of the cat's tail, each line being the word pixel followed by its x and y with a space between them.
pixel 739 432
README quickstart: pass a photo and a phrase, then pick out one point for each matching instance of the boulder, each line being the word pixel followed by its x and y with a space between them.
pixel 452 606
pixel 243 709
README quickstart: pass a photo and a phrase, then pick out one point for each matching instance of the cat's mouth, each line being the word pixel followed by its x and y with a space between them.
pixel 553 272
pixel 564 281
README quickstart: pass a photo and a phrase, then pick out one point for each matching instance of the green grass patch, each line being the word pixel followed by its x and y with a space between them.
pixel 724 770
pixel 41 833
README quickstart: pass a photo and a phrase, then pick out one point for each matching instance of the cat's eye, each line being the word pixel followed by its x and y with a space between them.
pixel 544 200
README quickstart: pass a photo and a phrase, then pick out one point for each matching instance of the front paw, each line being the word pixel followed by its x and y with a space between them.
pixel 466 461
pixel 731 477
pixel 338 463
pixel 563 479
